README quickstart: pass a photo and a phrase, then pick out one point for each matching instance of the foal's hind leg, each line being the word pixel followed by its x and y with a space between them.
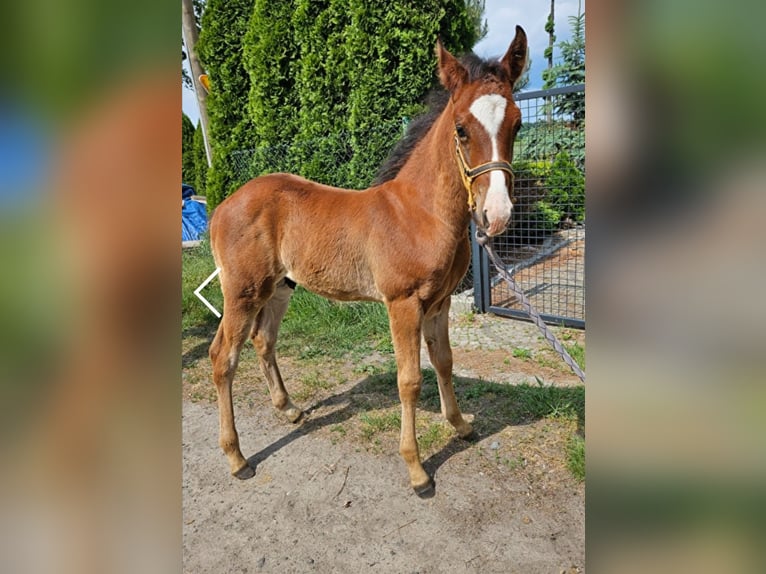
pixel 436 334
pixel 264 338
pixel 224 354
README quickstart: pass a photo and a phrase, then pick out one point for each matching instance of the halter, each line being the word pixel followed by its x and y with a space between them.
pixel 468 174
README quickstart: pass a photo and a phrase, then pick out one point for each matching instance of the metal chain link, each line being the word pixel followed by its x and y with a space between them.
pixel 486 242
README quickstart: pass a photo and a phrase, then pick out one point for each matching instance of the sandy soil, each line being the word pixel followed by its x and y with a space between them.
pixel 329 496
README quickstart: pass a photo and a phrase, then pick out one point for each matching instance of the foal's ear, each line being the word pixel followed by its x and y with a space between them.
pixel 452 74
pixel 515 59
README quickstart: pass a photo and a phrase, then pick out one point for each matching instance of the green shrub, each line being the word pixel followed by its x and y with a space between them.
pixel 546 195
pixel 566 190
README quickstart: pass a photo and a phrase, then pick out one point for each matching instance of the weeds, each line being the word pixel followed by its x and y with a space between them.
pixel 434 437
pixel 521 353
pixel 577 352
pixel 576 456
pixel 374 423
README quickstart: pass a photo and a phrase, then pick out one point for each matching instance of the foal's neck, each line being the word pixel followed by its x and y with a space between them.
pixel 432 173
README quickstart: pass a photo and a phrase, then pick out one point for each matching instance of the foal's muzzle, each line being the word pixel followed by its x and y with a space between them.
pixel 497 206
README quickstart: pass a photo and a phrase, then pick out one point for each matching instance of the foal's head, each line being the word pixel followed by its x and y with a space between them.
pixel 486 122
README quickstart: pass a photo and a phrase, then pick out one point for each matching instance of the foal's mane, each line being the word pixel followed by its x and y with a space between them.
pixel 436 100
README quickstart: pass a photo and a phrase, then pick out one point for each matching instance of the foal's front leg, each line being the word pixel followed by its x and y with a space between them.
pixel 405 318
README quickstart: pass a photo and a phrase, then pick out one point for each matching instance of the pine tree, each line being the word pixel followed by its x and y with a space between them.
pixel 571 71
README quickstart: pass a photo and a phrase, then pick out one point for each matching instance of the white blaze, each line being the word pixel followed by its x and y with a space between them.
pixel 489 110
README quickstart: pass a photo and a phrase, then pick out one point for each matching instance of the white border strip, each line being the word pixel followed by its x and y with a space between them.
pixel 202 286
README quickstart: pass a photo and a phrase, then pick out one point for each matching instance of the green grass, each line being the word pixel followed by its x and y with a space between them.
pixel 313 326
pixel 576 456
pixel 374 423
pixel 521 353
pixel 435 436
pixel 523 403
pixel 197 264
pixel 312 383
pixel 577 352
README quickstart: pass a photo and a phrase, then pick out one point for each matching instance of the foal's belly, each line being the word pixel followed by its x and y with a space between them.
pixel 340 287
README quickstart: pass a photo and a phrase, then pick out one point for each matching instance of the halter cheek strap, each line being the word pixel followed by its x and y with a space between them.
pixel 469 174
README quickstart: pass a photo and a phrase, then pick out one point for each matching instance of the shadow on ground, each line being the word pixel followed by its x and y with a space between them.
pixel 494 405
pixel 205 331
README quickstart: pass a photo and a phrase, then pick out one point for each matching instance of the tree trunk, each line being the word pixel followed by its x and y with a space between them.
pixel 189 27
pixel 551 35
pixel 551 40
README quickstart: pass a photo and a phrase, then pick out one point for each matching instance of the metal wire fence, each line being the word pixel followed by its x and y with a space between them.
pixel 332 159
pixel 545 245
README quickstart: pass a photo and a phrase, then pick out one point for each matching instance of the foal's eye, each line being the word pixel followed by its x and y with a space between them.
pixel 461 133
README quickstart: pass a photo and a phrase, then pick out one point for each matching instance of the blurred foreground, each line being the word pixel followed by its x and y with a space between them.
pixel 89 289
pixel 89 305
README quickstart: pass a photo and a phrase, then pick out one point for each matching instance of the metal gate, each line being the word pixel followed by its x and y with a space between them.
pixel 545 245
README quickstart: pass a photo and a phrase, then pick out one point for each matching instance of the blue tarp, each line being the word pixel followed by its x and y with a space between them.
pixel 193 216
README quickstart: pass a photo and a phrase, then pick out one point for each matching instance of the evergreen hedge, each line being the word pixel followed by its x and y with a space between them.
pixel 320 81
pixel 224 25
pixel 188 171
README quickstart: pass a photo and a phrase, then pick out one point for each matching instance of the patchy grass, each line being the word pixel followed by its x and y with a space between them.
pixel 313 383
pixel 576 456
pixel 577 352
pixel 518 404
pixel 373 423
pixel 197 264
pixel 522 353
pixel 324 345
pixel 435 436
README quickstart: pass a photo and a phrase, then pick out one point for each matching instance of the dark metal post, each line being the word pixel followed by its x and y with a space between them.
pixel 481 281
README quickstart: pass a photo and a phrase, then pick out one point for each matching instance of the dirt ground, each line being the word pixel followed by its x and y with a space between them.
pixel 331 494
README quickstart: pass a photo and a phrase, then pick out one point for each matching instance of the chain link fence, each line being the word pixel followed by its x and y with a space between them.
pixel 342 159
pixel 545 245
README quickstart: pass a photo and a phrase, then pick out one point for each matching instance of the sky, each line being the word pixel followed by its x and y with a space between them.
pixel 502 17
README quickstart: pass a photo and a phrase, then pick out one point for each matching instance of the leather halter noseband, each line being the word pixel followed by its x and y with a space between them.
pixel 469 174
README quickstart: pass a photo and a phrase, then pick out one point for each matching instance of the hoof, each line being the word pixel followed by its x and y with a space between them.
pixel 472 436
pixel 462 425
pixel 245 472
pixel 294 414
pixel 426 490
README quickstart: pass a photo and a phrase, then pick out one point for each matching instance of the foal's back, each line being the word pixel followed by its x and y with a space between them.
pixel 338 243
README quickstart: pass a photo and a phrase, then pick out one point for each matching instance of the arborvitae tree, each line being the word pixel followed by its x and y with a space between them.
pixel 188 173
pixel 391 46
pixel 270 56
pixel 224 25
pixel 329 81
pixel 199 183
pixel 322 85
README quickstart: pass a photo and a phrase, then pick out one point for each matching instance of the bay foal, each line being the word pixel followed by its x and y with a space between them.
pixel 403 242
